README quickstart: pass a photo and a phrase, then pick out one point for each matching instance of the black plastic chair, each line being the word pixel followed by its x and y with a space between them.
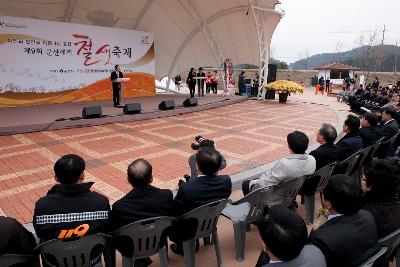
pixel 392 242
pixel 362 158
pixel 387 144
pixel 347 165
pixel 8 260
pixel 244 211
pixel 146 239
pixel 73 253
pixel 207 218
pixel 320 178
pixel 374 149
pixel 374 258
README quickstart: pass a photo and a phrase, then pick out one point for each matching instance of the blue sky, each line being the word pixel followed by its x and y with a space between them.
pixel 318 26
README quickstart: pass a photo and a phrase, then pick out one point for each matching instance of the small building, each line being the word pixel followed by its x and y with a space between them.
pixel 337 72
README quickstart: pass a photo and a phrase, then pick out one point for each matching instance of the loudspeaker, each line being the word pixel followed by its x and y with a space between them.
pixel 272 69
pixel 132 108
pixel 91 112
pixel 167 105
pixel 190 102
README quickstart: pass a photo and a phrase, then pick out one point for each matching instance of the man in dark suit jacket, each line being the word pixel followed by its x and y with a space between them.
pixel 116 85
pixel 327 152
pixel 208 187
pixel 389 129
pixel 351 142
pixel 200 82
pixel 349 236
pixel 369 133
pixel 144 200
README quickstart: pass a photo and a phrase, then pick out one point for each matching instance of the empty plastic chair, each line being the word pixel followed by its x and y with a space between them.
pixel 392 242
pixel 75 253
pixel 315 183
pixel 145 238
pixel 374 258
pixel 244 211
pixel 8 260
pixel 207 218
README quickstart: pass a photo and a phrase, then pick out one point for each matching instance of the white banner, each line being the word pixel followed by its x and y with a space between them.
pixel 42 56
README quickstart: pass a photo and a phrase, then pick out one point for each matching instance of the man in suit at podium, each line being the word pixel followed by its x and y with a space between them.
pixel 116 85
pixel 201 76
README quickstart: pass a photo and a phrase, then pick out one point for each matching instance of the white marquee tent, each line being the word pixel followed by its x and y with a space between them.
pixel 188 33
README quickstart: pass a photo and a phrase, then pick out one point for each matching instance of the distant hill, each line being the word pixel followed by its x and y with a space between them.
pixel 354 58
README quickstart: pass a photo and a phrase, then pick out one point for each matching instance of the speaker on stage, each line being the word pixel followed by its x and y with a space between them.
pixel 272 69
pixel 91 112
pixel 132 108
pixel 190 102
pixel 167 105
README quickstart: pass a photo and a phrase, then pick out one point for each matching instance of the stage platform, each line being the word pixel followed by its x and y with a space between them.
pixel 26 119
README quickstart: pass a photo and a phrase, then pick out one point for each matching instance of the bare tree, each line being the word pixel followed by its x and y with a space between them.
pixel 371 53
pixel 338 51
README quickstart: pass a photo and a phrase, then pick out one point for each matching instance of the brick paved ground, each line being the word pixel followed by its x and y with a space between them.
pixel 248 134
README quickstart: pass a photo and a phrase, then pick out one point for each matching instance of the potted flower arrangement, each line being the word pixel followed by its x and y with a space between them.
pixel 284 88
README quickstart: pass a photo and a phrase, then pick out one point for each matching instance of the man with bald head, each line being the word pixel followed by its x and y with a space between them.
pixel 144 200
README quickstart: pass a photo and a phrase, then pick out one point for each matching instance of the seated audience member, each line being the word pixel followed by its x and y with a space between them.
pixel 349 235
pixel 284 235
pixel 70 204
pixel 325 154
pixel 389 124
pixel 142 202
pixel 15 239
pixel 201 142
pixel 380 184
pixel 351 142
pixel 369 133
pixel 207 188
pixel 295 165
pixel 389 129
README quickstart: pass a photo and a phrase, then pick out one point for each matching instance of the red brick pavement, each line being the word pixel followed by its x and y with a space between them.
pixel 248 134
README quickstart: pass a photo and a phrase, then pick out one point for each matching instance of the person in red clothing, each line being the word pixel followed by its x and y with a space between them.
pixel 208 82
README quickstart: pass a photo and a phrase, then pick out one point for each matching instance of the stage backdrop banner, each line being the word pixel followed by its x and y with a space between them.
pixel 45 62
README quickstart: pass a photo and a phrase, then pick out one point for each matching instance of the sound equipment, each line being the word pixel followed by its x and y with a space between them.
pixel 132 108
pixel 272 69
pixel 167 105
pixel 91 112
pixel 190 102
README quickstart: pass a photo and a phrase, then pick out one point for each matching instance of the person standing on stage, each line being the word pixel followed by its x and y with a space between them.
pixel 116 85
pixel 208 82
pixel 200 82
pixel 191 82
pixel 214 81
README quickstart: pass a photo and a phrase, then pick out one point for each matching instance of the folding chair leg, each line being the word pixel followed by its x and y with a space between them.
pixel 189 251
pixel 207 240
pixel 239 230
pixel 217 248
pixel 128 262
pixel 163 256
pixel 309 203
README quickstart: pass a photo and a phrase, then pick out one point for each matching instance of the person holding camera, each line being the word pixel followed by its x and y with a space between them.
pixel 200 142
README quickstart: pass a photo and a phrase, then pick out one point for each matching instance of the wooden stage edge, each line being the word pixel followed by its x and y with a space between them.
pixel 17 120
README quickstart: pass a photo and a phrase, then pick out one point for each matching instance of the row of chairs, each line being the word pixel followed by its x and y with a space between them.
pixel 146 235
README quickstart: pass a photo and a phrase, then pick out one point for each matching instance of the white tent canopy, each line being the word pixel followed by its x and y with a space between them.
pixel 188 33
